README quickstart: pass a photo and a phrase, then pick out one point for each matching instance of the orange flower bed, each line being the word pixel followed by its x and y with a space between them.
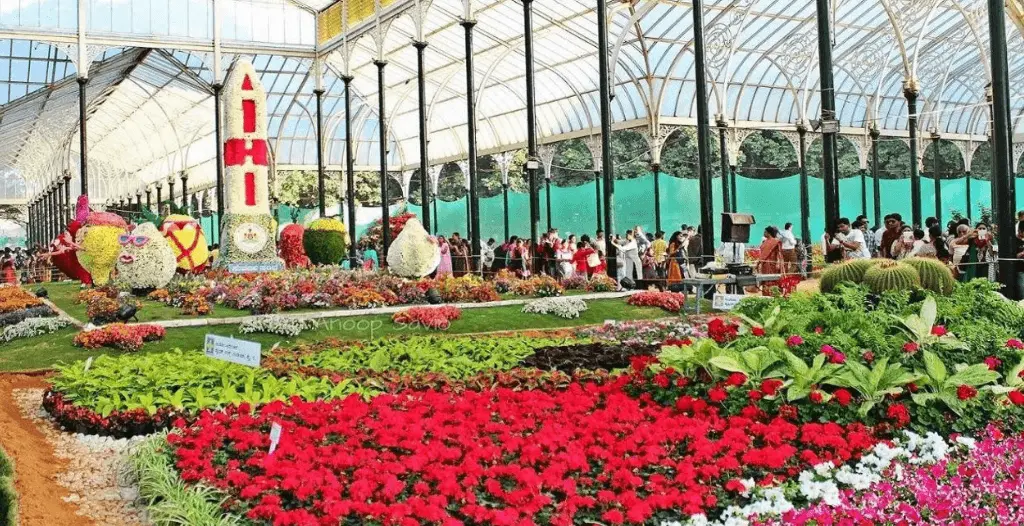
pixel 14 298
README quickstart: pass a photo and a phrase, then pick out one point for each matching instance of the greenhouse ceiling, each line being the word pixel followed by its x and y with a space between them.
pixel 151 65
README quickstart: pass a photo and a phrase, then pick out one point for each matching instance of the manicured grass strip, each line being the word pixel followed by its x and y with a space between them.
pixel 64 295
pixel 8 496
pixel 168 499
pixel 43 352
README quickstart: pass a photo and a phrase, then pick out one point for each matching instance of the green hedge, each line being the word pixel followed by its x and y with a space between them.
pixel 8 497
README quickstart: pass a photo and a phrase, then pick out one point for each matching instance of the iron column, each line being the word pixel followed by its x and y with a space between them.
pixel 504 195
pixel 828 113
pixel 350 171
pixel 170 190
pixel 83 136
pixel 218 137
pixel 149 199
pixel 320 173
pixel 805 191
pixel 68 213
pixel 967 177
pixel 421 75
pixel 703 133
pixel 597 192
pixel 159 195
pixel 385 212
pixel 864 191
pixel 531 122
pixel 606 134
pixel 474 187
pixel 1003 148
pixel 656 168
pixel 875 184
pixel 910 91
pixel 937 168
pixel 723 125
pixel 185 205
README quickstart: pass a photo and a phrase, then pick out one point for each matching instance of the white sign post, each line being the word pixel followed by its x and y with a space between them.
pixel 232 350
pixel 275 437
pixel 726 301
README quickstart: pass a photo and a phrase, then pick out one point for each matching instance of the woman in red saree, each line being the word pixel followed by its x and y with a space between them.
pixel 770 260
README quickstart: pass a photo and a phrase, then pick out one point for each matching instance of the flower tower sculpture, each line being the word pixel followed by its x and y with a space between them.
pixel 249 244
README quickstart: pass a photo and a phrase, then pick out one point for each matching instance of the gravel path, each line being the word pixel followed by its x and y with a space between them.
pixel 93 473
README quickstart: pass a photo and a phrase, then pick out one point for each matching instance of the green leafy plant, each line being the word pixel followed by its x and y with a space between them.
pixel 805 376
pixel 692 359
pixel 920 328
pixel 754 363
pixel 873 384
pixel 943 387
pixel 773 323
pixel 8 495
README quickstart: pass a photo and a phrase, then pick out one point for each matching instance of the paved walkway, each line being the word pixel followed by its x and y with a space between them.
pixel 346 313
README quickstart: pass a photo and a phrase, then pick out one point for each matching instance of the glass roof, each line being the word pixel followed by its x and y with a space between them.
pixel 151 111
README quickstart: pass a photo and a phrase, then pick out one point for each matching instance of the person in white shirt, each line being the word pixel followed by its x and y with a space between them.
pixel 732 253
pixel 788 248
pixel 851 239
pixel 630 258
pixel 487 254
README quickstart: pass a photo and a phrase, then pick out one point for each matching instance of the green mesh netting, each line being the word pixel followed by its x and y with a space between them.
pixel 771 201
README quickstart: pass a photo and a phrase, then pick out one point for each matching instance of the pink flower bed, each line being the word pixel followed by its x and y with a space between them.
pixel 437 318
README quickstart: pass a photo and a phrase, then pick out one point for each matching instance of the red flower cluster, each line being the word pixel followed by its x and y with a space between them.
pixel 834 356
pixel 119 424
pixel 588 453
pixel 670 301
pixel 722 332
pixel 437 318
pixel 120 336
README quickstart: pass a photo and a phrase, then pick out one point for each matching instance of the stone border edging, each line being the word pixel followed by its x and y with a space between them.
pixel 347 313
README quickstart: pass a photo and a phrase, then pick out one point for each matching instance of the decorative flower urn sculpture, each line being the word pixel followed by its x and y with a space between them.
pixel 249 243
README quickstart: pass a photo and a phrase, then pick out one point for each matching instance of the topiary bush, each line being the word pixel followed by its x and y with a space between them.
pixel 324 241
pixel 891 275
pixel 852 271
pixel 935 275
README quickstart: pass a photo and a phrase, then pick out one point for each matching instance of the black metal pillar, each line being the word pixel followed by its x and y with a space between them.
pixel 937 169
pixel 83 136
pixel 170 190
pixel 159 196
pixel 51 213
pixel 350 171
pixel 149 199
pixel 1003 149
pixel 732 187
pixel 531 122
pixel 59 212
pixel 606 134
pixel 31 227
pixel 703 133
pixel 828 115
pixel 723 153
pixel 864 191
pixel 656 168
pixel 474 187
pixel 504 196
pixel 385 212
pixel 597 193
pixel 421 75
pixel 547 197
pixel 219 139
pixel 138 205
pixel 185 204
pixel 433 203
pixel 967 180
pixel 805 191
pixel 320 168
pixel 910 91
pixel 68 212
pixel 876 185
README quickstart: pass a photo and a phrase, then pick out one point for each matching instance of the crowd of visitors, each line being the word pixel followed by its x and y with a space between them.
pixel 21 265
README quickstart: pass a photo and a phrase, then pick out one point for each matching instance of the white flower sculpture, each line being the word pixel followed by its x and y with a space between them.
pixel 146 260
pixel 414 253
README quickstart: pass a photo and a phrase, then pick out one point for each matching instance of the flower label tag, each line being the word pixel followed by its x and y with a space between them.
pixel 726 301
pixel 232 350
pixel 88 364
pixel 275 437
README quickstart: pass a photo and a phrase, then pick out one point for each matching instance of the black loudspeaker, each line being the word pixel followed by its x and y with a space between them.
pixel 736 227
pixel 628 283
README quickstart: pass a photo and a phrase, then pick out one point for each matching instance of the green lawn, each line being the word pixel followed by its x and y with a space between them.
pixel 64 295
pixel 43 352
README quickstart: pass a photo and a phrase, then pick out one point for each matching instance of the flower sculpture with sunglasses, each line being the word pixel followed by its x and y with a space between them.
pixel 146 261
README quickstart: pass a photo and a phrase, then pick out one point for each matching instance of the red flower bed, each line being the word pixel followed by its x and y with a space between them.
pixel 588 453
pixel 670 301
pixel 120 336
pixel 437 318
pixel 119 424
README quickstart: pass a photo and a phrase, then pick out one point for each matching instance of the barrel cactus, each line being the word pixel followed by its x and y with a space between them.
pixel 935 275
pixel 891 275
pixel 852 271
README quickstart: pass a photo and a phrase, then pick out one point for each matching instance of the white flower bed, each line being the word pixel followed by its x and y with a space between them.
pixel 568 308
pixel 33 327
pixel 277 324
pixel 822 482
